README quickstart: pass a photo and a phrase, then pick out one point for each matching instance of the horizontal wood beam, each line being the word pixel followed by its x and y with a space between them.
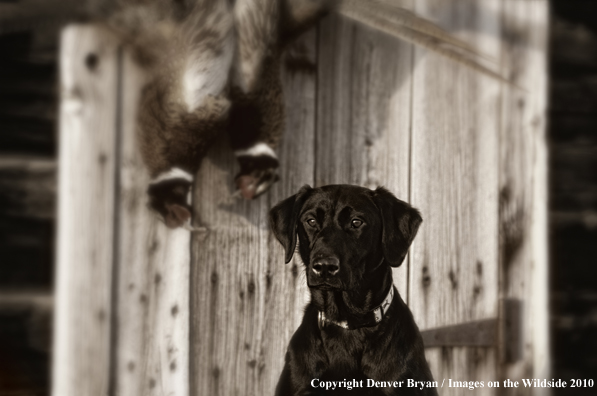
pixel 479 333
pixel 26 299
pixel 504 332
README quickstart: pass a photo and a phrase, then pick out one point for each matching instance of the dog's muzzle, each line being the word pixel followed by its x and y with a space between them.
pixel 326 266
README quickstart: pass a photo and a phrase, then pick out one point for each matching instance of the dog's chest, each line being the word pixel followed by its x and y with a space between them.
pixel 344 349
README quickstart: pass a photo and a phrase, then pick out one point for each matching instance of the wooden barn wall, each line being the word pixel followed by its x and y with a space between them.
pixel 454 173
pixel 168 313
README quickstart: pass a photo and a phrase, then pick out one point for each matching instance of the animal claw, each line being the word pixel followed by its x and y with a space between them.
pixel 176 215
pixel 256 183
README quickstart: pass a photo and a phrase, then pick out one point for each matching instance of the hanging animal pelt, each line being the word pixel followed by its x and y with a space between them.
pixel 214 67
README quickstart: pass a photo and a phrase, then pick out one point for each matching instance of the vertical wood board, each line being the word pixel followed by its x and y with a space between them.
pixel 523 184
pixel 86 211
pixel 152 334
pixel 130 337
pixel 454 171
pixel 245 302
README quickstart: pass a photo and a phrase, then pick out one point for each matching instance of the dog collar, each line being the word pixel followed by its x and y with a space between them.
pixel 377 315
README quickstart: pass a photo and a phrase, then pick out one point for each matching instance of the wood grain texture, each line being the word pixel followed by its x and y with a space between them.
pixel 364 111
pixel 245 303
pixel 478 333
pixel 523 183
pixel 86 189
pixel 454 173
pixel 131 337
pixel 151 343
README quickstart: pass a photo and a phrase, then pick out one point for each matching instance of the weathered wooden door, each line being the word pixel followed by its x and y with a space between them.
pixel 153 312
pixel 468 151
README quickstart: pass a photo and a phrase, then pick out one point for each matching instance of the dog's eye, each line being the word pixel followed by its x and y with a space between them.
pixel 312 222
pixel 356 223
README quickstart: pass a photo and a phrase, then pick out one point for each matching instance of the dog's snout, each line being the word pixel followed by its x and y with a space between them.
pixel 326 266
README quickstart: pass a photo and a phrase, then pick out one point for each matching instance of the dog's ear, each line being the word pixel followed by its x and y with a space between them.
pixel 283 219
pixel 400 224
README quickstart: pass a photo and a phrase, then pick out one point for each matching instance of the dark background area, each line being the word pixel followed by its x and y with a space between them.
pixel 28 112
pixel 28 148
pixel 573 189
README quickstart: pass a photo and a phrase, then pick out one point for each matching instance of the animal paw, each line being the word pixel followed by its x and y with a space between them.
pixel 258 170
pixel 256 183
pixel 169 198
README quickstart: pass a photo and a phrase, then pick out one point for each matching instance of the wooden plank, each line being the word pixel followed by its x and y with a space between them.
pixel 453 278
pixel 511 316
pixel 146 350
pixel 480 333
pixel 363 111
pixel 86 211
pixel 26 299
pixel 152 301
pixel 523 182
pixel 245 302
pixel 36 305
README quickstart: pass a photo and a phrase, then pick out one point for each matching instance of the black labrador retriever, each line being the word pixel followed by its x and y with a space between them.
pixel 357 336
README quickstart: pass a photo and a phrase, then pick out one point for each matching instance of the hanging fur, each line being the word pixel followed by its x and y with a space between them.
pixel 214 67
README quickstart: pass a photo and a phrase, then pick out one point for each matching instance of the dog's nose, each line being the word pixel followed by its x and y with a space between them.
pixel 326 266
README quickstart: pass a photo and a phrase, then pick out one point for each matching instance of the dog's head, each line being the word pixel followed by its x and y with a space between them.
pixel 344 232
